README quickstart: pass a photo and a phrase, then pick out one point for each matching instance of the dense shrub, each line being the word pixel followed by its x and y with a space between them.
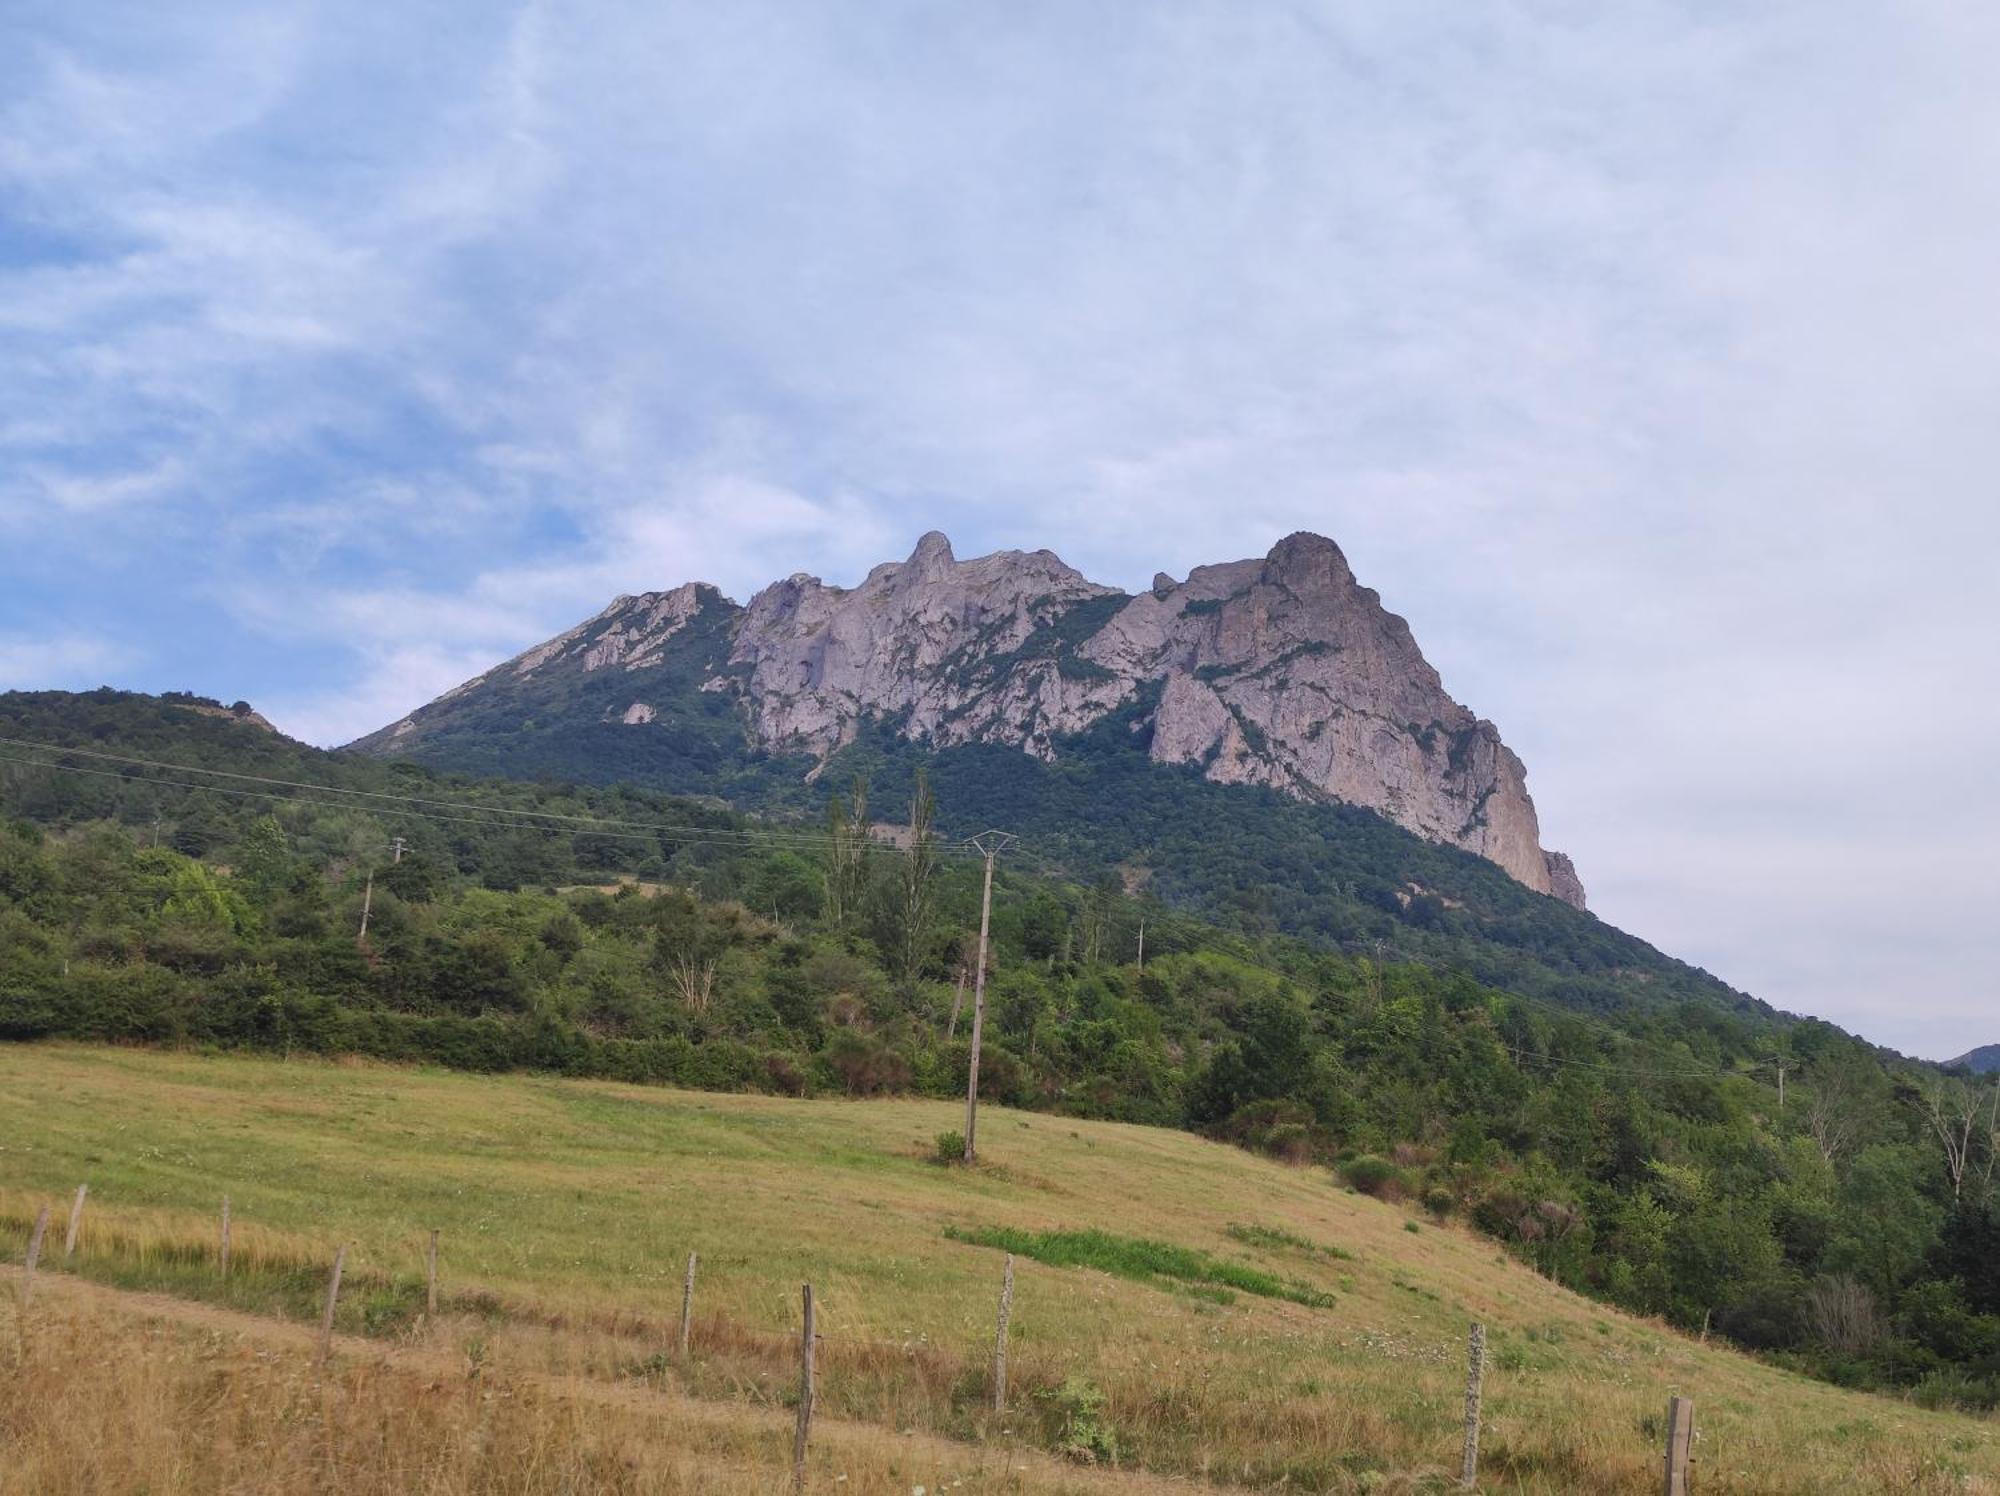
pixel 1374 1175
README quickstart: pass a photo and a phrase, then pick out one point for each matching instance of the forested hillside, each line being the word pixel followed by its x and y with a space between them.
pixel 1248 858
pixel 1842 1221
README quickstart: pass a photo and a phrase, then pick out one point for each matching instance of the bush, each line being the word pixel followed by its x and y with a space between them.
pixel 1081 1430
pixel 1952 1390
pixel 865 1065
pixel 1373 1175
pixel 1284 1130
pixel 783 1075
pixel 950 1148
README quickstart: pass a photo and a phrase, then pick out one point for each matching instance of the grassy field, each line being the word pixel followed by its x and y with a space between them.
pixel 1201 1315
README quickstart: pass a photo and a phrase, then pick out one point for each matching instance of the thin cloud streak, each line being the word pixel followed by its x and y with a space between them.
pixel 1640 357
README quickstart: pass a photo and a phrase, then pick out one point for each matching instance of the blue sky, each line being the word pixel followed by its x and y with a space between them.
pixel 1644 356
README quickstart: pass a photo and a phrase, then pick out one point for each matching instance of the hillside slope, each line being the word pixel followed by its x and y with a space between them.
pixel 566 1210
pixel 230 889
pixel 1241 856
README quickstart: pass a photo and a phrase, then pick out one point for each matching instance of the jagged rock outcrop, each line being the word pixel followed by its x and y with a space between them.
pixel 1281 671
pixel 932 641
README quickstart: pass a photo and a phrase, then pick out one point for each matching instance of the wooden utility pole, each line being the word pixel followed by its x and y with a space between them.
pixel 1475 1376
pixel 431 1277
pixel 807 1391
pixel 687 1306
pixel 75 1221
pixel 332 1298
pixel 367 903
pixel 1000 1336
pixel 1142 947
pixel 398 849
pixel 223 1259
pixel 1680 1444
pixel 990 844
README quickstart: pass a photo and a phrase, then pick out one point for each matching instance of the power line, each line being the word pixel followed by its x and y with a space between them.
pixel 482 815
pixel 587 822
pixel 743 840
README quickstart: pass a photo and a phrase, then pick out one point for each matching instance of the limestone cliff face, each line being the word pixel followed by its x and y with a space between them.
pixel 1286 672
pixel 934 642
pixel 1281 671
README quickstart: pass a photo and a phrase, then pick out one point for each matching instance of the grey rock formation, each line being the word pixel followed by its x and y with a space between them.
pixel 933 641
pixel 1281 671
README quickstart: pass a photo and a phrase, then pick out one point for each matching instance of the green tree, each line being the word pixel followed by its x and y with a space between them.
pixel 264 861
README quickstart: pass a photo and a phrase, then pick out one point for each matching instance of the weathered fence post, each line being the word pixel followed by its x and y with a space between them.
pixel 34 1254
pixel 808 1390
pixel 1475 1376
pixel 332 1298
pixel 1680 1444
pixel 75 1221
pixel 431 1277
pixel 1000 1336
pixel 225 1236
pixel 687 1306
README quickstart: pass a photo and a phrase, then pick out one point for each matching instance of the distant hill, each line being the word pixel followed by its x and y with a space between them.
pixel 1981 1061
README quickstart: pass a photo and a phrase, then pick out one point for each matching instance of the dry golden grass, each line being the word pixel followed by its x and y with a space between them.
pixel 125 1393
pixel 567 1209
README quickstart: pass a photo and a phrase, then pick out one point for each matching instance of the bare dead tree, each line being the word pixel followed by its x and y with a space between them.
pixel 693 980
pixel 1952 1108
pixel 1990 1137
pixel 1844 1316
pixel 1833 1118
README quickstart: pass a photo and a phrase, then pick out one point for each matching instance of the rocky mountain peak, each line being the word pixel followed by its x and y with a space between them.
pixel 933 553
pixel 1303 557
pixel 1281 671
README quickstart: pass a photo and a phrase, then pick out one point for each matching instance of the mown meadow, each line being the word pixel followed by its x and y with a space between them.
pixel 1202 1314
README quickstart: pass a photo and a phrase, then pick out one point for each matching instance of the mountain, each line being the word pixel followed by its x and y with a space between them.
pixel 1281 672
pixel 1981 1061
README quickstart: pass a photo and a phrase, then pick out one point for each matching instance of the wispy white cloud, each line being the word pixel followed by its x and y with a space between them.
pixel 59 661
pixel 1642 356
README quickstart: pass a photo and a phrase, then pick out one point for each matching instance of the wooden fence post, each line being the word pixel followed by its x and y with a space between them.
pixel 1000 1336
pixel 431 1277
pixel 75 1221
pixel 225 1236
pixel 1680 1444
pixel 34 1254
pixel 1475 1376
pixel 687 1306
pixel 808 1390
pixel 332 1298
